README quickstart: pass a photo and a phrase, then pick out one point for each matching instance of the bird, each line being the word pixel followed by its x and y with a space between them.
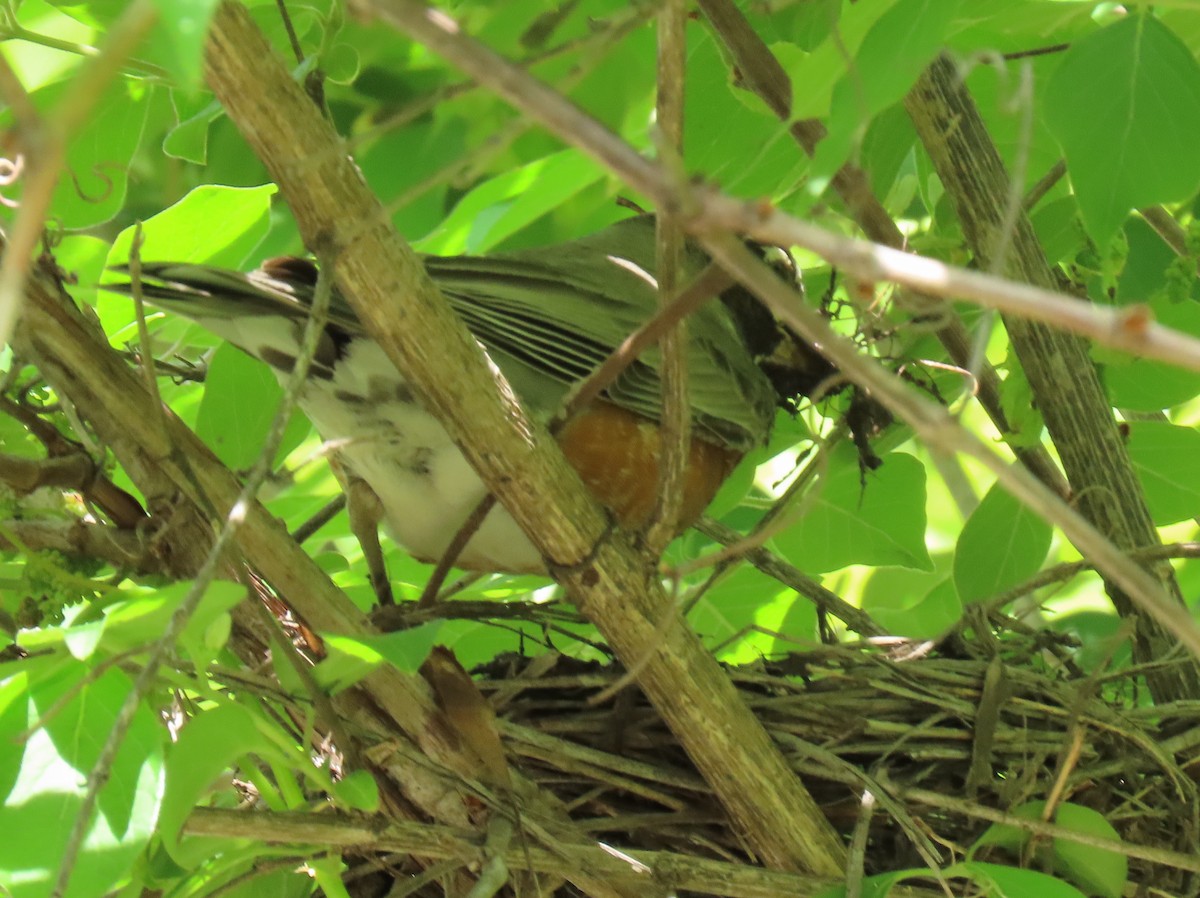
pixel 547 317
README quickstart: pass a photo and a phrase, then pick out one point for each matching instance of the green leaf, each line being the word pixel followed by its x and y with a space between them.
pixel 1140 384
pixel 1098 871
pixel 76 713
pixel 357 791
pixel 892 56
pixel 1058 229
pixel 407 649
pixel 815 74
pixel 208 747
pixel 1164 455
pixel 1000 881
pixel 1002 544
pixel 95 176
pixel 183 25
pixel 347 660
pixel 1006 26
pixel 857 518
pixel 916 604
pixel 133 617
pixel 740 601
pixel 1125 106
pixel 241 399
pixel 735 142
pixel 188 139
pixel 501 206
pixel 214 225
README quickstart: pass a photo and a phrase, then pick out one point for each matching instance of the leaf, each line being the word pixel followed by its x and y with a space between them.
pixel 214 225
pixel 501 206
pixel 77 714
pixel 1125 106
pixel 206 748
pixel 746 598
pixel 241 399
pixel 95 177
pixel 183 26
pixel 1002 544
pixel 357 791
pixel 1000 881
pixel 815 73
pixel 1098 871
pixel 892 56
pixel 909 603
pixel 878 518
pixel 1164 455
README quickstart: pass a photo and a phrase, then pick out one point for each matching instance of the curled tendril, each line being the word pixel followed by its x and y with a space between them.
pixel 10 173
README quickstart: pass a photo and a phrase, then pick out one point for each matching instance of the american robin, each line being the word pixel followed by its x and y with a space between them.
pixel 547 317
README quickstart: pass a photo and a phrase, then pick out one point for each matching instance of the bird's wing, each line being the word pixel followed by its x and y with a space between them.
pixel 550 316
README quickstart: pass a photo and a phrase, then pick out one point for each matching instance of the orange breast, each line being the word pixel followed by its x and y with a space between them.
pixel 616 454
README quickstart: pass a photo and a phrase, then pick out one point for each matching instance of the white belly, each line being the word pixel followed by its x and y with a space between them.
pixel 426 486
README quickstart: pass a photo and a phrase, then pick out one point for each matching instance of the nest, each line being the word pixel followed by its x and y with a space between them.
pixel 945 745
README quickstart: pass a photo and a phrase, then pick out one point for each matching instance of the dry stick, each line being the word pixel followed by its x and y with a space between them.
pixel 44 144
pixel 762 73
pixel 603 571
pixel 1064 380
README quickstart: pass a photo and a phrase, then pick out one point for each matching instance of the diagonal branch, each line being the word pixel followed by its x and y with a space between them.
pixel 762 73
pixel 604 573
pixel 715 214
pixel 164 458
pixel 1065 384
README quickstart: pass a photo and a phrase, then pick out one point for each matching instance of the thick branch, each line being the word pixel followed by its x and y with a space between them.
pixel 1066 387
pixel 604 573
pixel 715 215
pixel 163 456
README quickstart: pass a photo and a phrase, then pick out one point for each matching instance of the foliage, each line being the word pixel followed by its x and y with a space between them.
pixel 928 544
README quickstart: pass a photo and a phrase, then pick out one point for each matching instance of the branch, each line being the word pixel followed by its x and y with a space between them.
pixel 123 549
pixel 604 572
pixel 1065 384
pixel 716 213
pixel 640 871
pixel 163 457
pixel 761 72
